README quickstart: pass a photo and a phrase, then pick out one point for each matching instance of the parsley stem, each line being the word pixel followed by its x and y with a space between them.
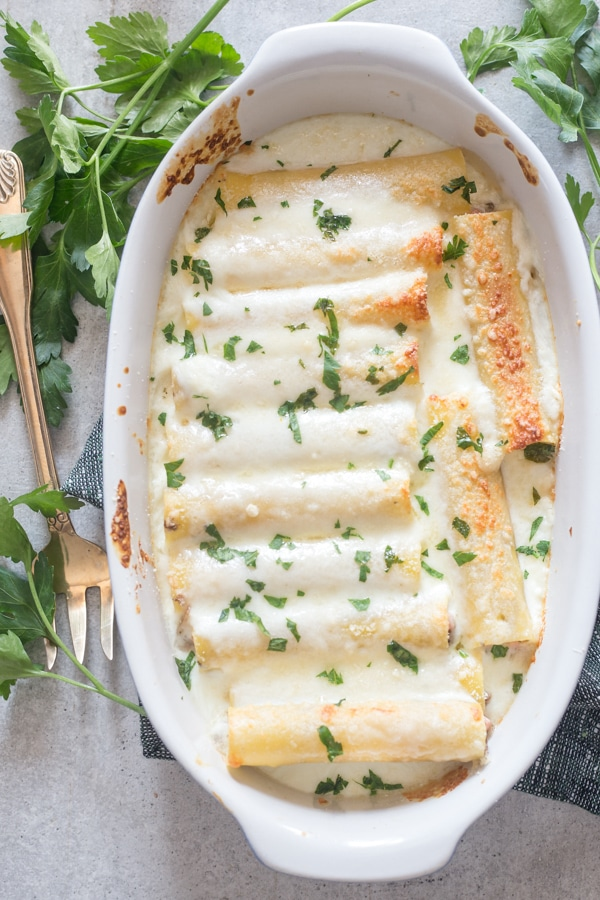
pixel 348 9
pixel 94 689
pixel 95 685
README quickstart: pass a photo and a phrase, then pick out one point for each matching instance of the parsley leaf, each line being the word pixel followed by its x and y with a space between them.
pixel 184 667
pixel 403 656
pixel 329 786
pixel 374 783
pixel 333 747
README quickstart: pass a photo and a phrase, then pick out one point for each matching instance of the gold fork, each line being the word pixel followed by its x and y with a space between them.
pixel 78 564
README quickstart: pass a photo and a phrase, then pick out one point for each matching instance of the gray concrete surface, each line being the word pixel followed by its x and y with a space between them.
pixel 82 813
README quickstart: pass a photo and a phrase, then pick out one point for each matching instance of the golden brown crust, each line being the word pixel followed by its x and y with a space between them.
pixel 405 731
pixel 495 604
pixel 408 306
pixel 501 326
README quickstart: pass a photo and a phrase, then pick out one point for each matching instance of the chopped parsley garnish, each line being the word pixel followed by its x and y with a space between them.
pixel 206 310
pixel 391 149
pixel 332 676
pixel 219 201
pixel 371 375
pixel 328 222
pixel 461 184
pixel 425 439
pixel 517 682
pixel 461 526
pixel 301 327
pixel 327 172
pixel 285 204
pixel 540 452
pixel 448 282
pixel 257 586
pixel 499 651
pixel 162 418
pixel 385 476
pixel 362 558
pixel 333 747
pixel 403 656
pixel 174 478
pixel 199 269
pixel 430 570
pixel 361 604
pixel 281 540
pixel 460 355
pixel 461 557
pixel 169 333
pixel 201 233
pixel 277 644
pixel 331 367
pixel 535 525
pixel 229 347
pixel 184 667
pixel 304 401
pixel 395 383
pixel 216 422
pixel 454 249
pixel 246 203
pixel 329 786
pixel 331 339
pixel 535 496
pixel 373 783
pixel 253 347
pixel 400 328
pixel 277 602
pixel 350 532
pixel 187 343
pixel 246 615
pixel 293 628
pixel 466 442
pixel 424 506
pixel 217 549
pixel 540 551
pixel 443 545
pixel 390 558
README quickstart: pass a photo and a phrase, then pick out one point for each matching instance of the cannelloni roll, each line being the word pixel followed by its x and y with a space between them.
pixel 284 228
pixel 483 543
pixel 366 437
pixel 404 731
pixel 334 569
pixel 419 620
pixel 364 375
pixel 316 506
pixel 502 330
pixel 398 296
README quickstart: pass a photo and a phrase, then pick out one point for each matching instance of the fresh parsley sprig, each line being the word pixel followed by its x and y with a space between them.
pixel 555 54
pixel 81 164
pixel 27 601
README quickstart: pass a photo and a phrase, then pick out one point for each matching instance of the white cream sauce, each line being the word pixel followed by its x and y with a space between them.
pixel 381 439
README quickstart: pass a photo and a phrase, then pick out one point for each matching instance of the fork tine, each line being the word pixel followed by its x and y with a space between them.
pixel 77 612
pixel 106 618
pixel 51 651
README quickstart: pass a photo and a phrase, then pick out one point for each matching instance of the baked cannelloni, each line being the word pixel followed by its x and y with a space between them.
pixel 355 410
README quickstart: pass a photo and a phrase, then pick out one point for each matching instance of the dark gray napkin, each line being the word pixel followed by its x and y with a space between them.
pixel 568 769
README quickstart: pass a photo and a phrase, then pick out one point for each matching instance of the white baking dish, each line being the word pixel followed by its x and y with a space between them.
pixel 408 74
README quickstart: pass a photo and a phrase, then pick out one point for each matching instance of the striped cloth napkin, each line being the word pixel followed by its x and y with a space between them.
pixel 568 768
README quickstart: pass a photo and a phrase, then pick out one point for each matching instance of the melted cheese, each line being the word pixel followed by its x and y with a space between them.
pixel 358 585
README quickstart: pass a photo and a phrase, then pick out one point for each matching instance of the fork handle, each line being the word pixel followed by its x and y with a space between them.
pixel 15 305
